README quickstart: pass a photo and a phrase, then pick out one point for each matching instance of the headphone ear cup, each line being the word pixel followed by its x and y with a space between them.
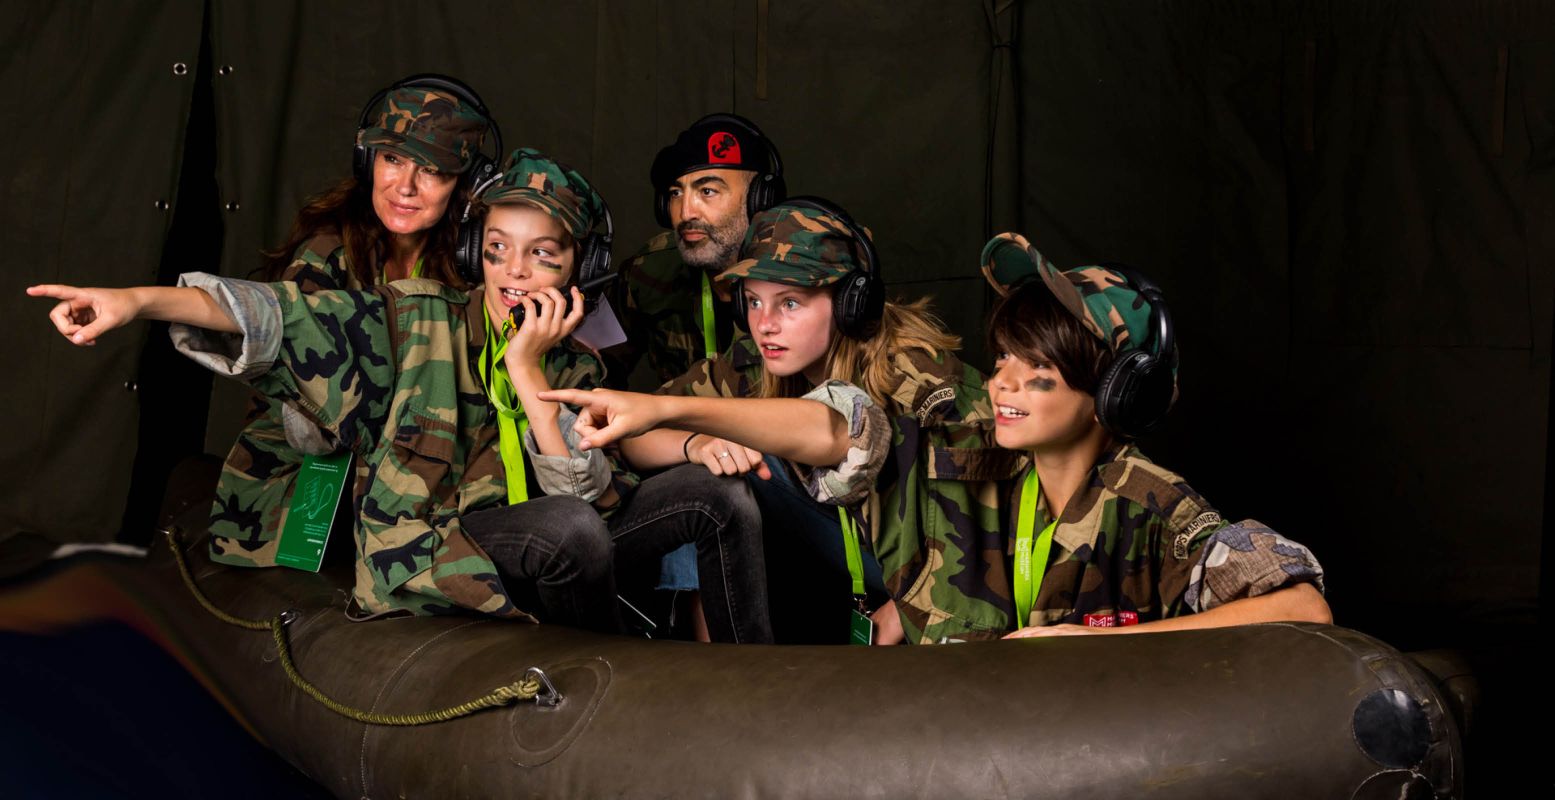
pixel 758 197
pixel 595 259
pixel 361 165
pixel 661 208
pixel 467 252
pixel 737 299
pixel 858 304
pixel 1134 395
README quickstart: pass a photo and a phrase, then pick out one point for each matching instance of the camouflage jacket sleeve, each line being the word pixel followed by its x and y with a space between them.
pixel 325 352
pixel 1247 559
pixel 1203 561
pixel 869 436
pixel 318 264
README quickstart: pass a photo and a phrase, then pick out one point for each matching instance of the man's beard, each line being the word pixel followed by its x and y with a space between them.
pixel 719 249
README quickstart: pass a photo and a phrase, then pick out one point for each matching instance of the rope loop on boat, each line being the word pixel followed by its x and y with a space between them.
pixel 526 688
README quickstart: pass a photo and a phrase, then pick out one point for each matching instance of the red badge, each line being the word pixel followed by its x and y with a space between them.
pixel 1119 619
pixel 723 148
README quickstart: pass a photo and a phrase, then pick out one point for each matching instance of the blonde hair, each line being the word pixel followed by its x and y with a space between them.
pixel 869 364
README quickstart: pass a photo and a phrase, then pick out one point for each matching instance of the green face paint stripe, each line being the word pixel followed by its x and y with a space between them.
pixel 709 334
pixel 1030 566
pixel 1042 384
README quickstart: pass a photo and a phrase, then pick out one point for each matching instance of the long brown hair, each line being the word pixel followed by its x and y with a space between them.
pixel 347 208
pixel 868 363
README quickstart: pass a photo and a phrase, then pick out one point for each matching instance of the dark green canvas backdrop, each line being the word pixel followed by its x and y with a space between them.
pixel 92 130
pixel 1345 202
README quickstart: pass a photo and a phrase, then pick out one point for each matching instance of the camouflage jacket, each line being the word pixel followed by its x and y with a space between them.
pixel 934 519
pixel 659 299
pixel 257 477
pixel 391 375
pixel 1137 544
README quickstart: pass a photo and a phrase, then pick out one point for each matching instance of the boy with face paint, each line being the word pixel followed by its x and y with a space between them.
pixel 471 492
pixel 1100 540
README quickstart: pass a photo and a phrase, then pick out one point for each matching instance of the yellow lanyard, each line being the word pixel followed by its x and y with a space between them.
pixel 512 423
pixel 709 333
pixel 850 547
pixel 1030 566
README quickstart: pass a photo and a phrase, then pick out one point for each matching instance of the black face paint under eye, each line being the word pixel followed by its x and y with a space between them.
pixel 1042 384
pixel 551 265
pixel 491 257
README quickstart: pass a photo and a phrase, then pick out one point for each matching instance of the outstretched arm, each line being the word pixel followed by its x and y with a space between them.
pixel 1299 603
pixel 82 315
pixel 805 431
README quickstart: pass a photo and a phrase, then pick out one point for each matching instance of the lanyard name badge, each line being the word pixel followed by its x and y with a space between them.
pixel 709 333
pixel 861 629
pixel 512 422
pixel 1030 557
pixel 321 481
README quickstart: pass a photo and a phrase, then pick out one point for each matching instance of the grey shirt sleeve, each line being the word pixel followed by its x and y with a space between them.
pixel 243 356
pixel 869 435
pixel 585 475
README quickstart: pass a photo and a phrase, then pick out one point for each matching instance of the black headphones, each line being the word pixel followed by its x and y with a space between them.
pixel 593 250
pixel 766 190
pixel 481 168
pixel 1138 389
pixel 859 298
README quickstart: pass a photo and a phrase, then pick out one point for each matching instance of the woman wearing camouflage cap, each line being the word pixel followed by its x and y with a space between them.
pixel 468 492
pixel 418 153
pixel 882 372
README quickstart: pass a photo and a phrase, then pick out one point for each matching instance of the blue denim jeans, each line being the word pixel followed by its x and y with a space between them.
pixel 787 507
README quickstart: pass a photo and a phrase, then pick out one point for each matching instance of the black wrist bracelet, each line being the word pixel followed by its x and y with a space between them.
pixel 687 443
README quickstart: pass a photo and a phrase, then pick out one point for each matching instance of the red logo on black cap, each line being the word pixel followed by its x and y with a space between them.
pixel 723 148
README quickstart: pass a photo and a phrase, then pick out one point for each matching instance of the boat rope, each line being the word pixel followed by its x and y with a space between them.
pixel 526 688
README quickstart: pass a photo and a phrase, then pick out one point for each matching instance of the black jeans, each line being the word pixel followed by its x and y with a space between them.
pixel 718 513
pixel 553 553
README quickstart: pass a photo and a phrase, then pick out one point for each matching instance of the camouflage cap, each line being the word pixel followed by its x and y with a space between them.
pixel 1101 298
pixel 430 126
pixel 532 177
pixel 796 245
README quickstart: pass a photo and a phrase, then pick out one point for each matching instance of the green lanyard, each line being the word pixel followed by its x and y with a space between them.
pixel 1030 566
pixel 850 546
pixel 709 333
pixel 512 423
pixel 415 272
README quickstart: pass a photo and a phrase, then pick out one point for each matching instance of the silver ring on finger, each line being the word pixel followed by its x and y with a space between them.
pixel 724 454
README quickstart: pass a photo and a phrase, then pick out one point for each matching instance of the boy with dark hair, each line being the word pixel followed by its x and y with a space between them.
pixel 1100 540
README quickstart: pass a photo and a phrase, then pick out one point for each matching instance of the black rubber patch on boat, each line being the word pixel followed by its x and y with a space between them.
pixel 540 733
pixel 1391 728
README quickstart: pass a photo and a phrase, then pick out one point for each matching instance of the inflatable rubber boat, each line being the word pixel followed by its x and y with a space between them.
pixel 1276 710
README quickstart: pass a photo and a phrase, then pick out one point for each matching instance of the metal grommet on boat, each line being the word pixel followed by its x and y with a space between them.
pixel 547 696
pixel 289 616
